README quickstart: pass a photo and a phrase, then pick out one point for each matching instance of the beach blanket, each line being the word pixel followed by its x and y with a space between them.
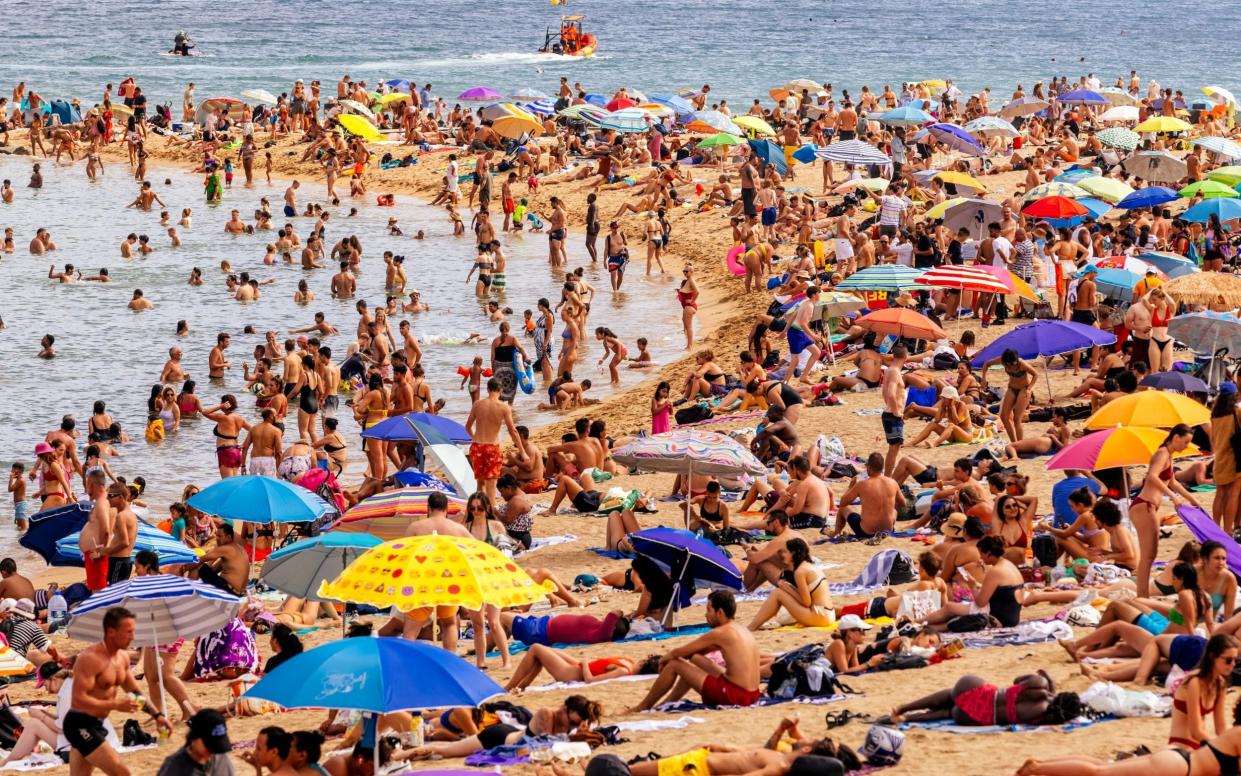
pixel 550 541
pixel 948 726
pixel 717 419
pixel 766 700
pixel 42 762
pixel 903 533
pixel 1030 632
pixel 578 685
pixel 649 725
pixel 612 554
pixel 1205 529
pixel 877 622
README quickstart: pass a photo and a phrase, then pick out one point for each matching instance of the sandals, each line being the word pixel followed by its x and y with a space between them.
pixel 836 719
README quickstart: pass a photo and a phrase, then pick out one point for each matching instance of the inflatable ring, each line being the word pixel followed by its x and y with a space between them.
pixel 733 260
pixel 385 200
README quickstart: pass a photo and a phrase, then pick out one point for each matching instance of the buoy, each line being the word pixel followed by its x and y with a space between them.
pixel 385 200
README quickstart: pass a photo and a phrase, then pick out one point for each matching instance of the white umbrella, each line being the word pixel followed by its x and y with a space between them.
pixel 451 460
pixel 972 214
pixel 1219 145
pixel 260 95
pixel 1116 96
pixel 353 106
pixel 1124 113
pixel 1159 166
pixel 1221 95
pixel 1024 106
pixel 529 95
pixel 991 126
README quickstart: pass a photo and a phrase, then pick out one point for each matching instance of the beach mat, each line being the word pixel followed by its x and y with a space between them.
pixel 948 726
pixel 612 554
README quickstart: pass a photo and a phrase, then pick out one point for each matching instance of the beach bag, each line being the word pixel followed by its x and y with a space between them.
pixel 944 361
pixel 830 449
pixel 804 673
pixel 1043 311
pixel 901 662
pixel 1045 549
pixel 968 623
pixel 917 605
pixel 694 414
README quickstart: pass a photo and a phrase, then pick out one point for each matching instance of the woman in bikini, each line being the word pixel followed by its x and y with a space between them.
pixel 1050 441
pixel 611 347
pixel 1215 578
pixel 228 427
pixel 967 383
pixel 1159 482
pixel 801 591
pixel 1200 697
pixel 191 406
pixel 1031 699
pixel 371 409
pixel 542 658
pixel 1110 367
pixel 1015 526
pixel 1085 535
pixel 687 297
pixel 707 380
pixel 100 426
pixel 1162 310
pixel 54 487
pixel 333 446
pixel 1016 400
pixel 952 422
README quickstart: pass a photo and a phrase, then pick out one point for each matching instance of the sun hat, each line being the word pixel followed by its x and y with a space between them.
pixel 42 448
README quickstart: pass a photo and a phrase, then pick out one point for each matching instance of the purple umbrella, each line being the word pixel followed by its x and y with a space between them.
pixel 480 94
pixel 1174 381
pixel 1083 97
pixel 1205 529
pixel 956 139
pixel 1045 338
pixel 687 558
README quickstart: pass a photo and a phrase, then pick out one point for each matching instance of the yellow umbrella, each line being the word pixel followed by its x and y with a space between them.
pixel 359 126
pixel 1022 288
pixel 515 126
pixel 422 571
pixel 1162 124
pixel 960 179
pixel 392 97
pixel 936 85
pixel 755 124
pixel 938 210
pixel 1150 409
pixel 655 109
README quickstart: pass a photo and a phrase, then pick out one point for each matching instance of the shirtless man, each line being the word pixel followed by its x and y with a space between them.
pixel 67 276
pixel 1085 306
pixel 226 566
pixel 146 198
pixel 487 417
pixel 262 446
pixel 97 532
pixel 801 337
pixel 290 199
pixel 763 562
pixel 575 454
pixel 529 469
pixel 216 363
pixel 343 282
pixel 735 684
pixel 127 246
pixel 556 234
pixel 411 624
pixel 1138 322
pixel 807 756
pixel 292 371
pixel 778 439
pixel 99 671
pixel 139 302
pixel 807 499
pixel 235 225
pixel 120 545
pixel 12 584
pixel 879 498
pixel 172 371
pixel 413 353
pixel 893 417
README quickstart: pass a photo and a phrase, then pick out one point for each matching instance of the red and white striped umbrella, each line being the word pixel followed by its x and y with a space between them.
pixel 965 278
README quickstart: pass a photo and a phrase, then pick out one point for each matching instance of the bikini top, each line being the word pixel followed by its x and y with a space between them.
pixel 216 431
pixel 1157 322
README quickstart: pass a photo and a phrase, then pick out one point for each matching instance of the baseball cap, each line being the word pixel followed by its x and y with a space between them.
pixel 1228 386
pixel 1088 269
pixel 210 727
pixel 950 393
pixel 606 765
pixel 852 622
pixel 47 672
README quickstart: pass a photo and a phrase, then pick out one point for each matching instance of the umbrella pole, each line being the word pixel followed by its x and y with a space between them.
pixel 159 667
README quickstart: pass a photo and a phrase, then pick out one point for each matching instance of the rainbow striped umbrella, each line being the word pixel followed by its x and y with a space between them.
pixel 690 450
pixel 1124 446
pixel 965 278
pixel 387 515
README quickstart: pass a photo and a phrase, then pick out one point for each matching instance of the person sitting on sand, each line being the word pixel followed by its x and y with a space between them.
pixel 889 604
pixel 994 597
pixel 1030 700
pixel 543 658
pixel 801 591
pixel 878 499
pixel 707 512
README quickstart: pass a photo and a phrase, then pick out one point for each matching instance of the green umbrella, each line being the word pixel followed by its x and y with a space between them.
pixel 1119 137
pixel 720 139
pixel 1207 188
pixel 1108 189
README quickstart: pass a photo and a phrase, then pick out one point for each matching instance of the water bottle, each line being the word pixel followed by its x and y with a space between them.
pixel 57 609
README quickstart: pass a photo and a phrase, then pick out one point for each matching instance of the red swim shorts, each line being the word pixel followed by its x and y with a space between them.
pixel 485 458
pixel 96 572
pixel 719 691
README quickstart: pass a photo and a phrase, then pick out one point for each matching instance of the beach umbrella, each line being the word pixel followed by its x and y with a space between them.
pixel 393 97
pixel 412 478
pixel 1024 106
pixel 1070 190
pixel 1120 113
pixel 257 499
pixel 1221 95
pixel 1162 124
pixel 689 561
pixel 797 84
pixel 403 502
pixel 1117 96
pixel 682 450
pixel 770 153
pixel 399 83
pixel 901 322
pixel 855 152
pixel 657 110
pixel 1097 207
pixel 353 106
pixel 1111 448
pixel 541 107
pixel 1178 105
pixel 598 100
pixel 582 112
pixel 1117 283
pixel 1075 174
pixel 626 120
pixel 806 154
pixel 1151 196
pixel 1207 288
pixel 358 125
pixel 415 572
pixel 497 109
pixel 956 139
pixel 1209 189
pixel 1221 146
pixel 973 278
pixel 415 426
pixel 1155 166
pixel 991 126
pixel 714 121
pixel 1054 207
pixel 906 116
pixel 937 211
pixel 148 537
pixel 1107 189
pixel 376 676
pixel 527 94
pixel 1207 332
pixel 720 139
pixel 1119 137
pixel 301 567
pixel 754 124
pixel 893 278
pixel 681 105
pixel 833 304
pixel 1223 208
pixel 1082 97
pixel 1204 528
pixel 1174 381
pixel 960 180
pixel 1149 409
pixel 514 126
pixel 1230 175
pixel 1131 264
pixel 1044 338
pixel 877 185
pixel 1014 284
pixel 1167 261
pixel 260 95
pixel 620 103
pixel 972 214
pixel 50 526
pixel 480 94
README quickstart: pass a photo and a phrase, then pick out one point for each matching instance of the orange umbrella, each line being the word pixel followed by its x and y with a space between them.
pixel 901 323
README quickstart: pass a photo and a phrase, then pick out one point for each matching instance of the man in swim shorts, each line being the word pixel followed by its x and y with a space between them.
pixel 487 417
pixel 734 684
pixel 799 336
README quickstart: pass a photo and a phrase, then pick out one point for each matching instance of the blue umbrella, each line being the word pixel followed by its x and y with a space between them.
pixel 1044 338
pixel 1225 208
pixel 806 154
pixel 401 84
pixel 301 567
pixel 956 138
pixel 906 116
pixel 52 525
pixel 1174 381
pixel 415 426
pixel 542 107
pixel 1151 196
pixel 892 278
pixel 679 104
pixel 1082 97
pixel 149 537
pixel 1117 283
pixel 689 561
pixel 412 478
pixel 1207 332
pixel 1172 264
pixel 255 499
pixel 1074 174
pixel 377 676
pixel 770 153
pixel 596 99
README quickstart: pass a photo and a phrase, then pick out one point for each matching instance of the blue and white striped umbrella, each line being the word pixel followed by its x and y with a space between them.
pixel 625 121
pixel 1219 145
pixel 883 277
pixel 853 152
pixel 542 107
pixel 166 608
pixel 149 537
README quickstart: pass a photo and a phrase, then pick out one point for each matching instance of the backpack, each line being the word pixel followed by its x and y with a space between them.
pixel 694 414
pixel 804 672
pixel 944 361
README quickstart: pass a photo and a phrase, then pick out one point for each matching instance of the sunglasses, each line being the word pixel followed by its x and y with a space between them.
pixel 1229 660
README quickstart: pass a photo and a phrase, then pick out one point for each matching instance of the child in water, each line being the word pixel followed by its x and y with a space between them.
pixel 474 375
pixel 643 359
pixel 211 185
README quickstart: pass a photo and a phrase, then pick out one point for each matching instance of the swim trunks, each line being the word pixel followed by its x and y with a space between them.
pixel 798 341
pixel 855 523
pixel 692 762
pixel 84 732
pixel 290 211
pixel 617 263
pixel 769 216
pixel 719 691
pixel 1086 317
pixel 263 465
pixel 747 202
pixel 555 234
pixel 485 459
pixel 96 572
pixel 893 428
pixel 228 456
pixel 807 520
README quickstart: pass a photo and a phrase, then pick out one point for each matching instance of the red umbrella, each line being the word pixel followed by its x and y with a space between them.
pixel 1055 207
pixel 619 103
pixel 976 278
pixel 901 323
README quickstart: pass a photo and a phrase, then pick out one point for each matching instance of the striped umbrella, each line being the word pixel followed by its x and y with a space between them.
pixel 1174 264
pixel 582 112
pixel 1131 264
pixel 13 664
pixel 714 121
pixel 626 120
pixel 853 152
pixel 684 450
pixel 1119 137
pixel 402 502
pixel 893 278
pixel 541 107
pixel 1222 146
pixel 991 126
pixel 150 538
pixel 1024 106
pixel 1069 190
pixel 167 608
pixel 964 278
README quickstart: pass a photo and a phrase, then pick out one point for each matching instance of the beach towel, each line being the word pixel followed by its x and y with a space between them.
pixel 42 762
pixel 878 622
pixel 948 726
pixel 612 554
pixel 650 725
pixel 766 700
pixel 1205 529
pixel 877 574
pixel 847 537
pixel 1030 632
pixel 550 541
pixel 517 647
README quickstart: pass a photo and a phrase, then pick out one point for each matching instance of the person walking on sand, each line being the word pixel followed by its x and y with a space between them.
pixel 893 417
pixel 487 417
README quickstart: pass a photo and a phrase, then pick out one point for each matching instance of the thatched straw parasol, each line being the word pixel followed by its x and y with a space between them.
pixel 1208 288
